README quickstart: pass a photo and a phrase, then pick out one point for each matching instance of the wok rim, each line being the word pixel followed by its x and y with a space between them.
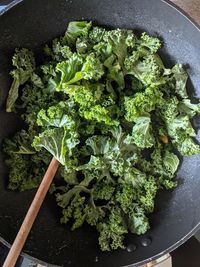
pixel 9 6
pixel 184 238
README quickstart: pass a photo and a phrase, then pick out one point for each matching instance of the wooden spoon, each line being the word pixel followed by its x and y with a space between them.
pixel 31 215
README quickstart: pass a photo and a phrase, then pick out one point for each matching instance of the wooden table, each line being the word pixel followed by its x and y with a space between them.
pixel 192 7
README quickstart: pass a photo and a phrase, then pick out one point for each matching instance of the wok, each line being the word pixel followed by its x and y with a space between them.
pixel 31 23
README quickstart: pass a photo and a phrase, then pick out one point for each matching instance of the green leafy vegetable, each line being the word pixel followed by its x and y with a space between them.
pixel 180 77
pixel 24 64
pixel 76 29
pixel 104 105
pixel 142 134
pixel 59 142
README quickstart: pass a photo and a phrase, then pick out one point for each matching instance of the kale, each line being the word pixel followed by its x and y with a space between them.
pixel 99 101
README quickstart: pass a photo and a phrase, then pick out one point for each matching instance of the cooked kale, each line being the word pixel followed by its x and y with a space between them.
pixel 100 99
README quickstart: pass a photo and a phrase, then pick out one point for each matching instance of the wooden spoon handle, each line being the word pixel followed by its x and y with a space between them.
pixel 31 215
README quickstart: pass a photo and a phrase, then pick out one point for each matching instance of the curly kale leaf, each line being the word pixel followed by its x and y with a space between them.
pixel 76 211
pixel 186 107
pixel 59 115
pixel 59 51
pixel 100 145
pixel 117 38
pixel 149 70
pixel 181 77
pixel 170 162
pixel 142 134
pixel 58 141
pixel 142 103
pixel 179 126
pixel 115 71
pixel 152 43
pixel 31 166
pixel 91 92
pixel 106 107
pixel 127 196
pixel 94 214
pixel 24 63
pixel 77 29
pixel 103 190
pixel 187 146
pixel 99 114
pixel 164 166
pixel 111 232
pixel 76 68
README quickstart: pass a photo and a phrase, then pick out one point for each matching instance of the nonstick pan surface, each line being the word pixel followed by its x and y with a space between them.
pixel 32 23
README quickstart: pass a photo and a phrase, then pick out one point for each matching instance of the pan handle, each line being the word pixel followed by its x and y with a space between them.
pixel 5 5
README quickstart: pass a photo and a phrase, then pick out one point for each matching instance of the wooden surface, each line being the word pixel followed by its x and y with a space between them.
pixel 187 255
pixel 192 7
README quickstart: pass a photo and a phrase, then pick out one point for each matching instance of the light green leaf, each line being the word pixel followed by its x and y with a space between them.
pixel 171 162
pixel 181 77
pixel 58 141
pixel 142 134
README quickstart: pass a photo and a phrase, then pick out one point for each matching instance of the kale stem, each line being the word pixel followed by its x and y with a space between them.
pixel 83 188
pixel 92 199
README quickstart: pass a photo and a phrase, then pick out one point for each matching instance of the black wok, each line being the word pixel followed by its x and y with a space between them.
pixel 30 24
